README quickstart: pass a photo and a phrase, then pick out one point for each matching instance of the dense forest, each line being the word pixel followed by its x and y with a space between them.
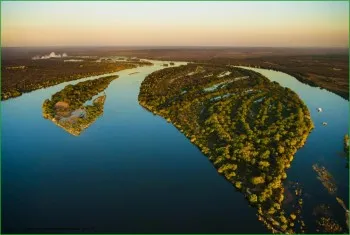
pixel 249 128
pixel 21 76
pixel 66 108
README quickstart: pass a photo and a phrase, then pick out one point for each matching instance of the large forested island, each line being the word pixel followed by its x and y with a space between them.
pixel 249 127
pixel 67 110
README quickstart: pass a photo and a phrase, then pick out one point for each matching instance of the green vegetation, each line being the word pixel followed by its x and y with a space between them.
pixel 249 127
pixel 327 68
pixel 66 107
pixel 31 75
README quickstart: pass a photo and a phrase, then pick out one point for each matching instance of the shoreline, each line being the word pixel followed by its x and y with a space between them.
pixel 301 79
pixel 74 80
pixel 14 93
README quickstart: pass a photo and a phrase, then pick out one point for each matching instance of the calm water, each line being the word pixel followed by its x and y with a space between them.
pixel 131 171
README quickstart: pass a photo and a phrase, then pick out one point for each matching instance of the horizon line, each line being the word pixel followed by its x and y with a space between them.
pixel 175 46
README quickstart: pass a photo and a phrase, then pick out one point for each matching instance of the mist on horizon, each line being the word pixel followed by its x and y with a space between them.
pixel 226 24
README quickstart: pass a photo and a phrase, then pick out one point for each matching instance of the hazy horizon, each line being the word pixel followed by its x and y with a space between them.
pixel 179 47
pixel 175 24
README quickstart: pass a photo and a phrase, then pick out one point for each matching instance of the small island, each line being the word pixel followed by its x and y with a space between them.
pixel 67 110
pixel 248 127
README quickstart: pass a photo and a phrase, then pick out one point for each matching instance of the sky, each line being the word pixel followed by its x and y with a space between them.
pixel 270 24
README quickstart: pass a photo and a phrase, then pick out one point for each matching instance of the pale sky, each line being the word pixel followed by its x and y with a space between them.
pixel 272 24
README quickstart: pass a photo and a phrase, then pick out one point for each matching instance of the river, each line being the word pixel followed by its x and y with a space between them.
pixel 132 172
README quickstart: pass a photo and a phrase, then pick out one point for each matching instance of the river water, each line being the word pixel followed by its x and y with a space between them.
pixel 132 172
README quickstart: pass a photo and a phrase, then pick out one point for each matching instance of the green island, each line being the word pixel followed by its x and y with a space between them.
pixel 67 110
pixel 248 127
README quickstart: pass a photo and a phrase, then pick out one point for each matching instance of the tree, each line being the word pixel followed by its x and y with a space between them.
pixel 265 155
pixel 280 149
pixel 253 198
pixel 238 184
pixel 283 219
pixel 264 164
pixel 257 180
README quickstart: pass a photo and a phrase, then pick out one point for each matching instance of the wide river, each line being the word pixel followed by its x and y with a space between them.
pixel 131 171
